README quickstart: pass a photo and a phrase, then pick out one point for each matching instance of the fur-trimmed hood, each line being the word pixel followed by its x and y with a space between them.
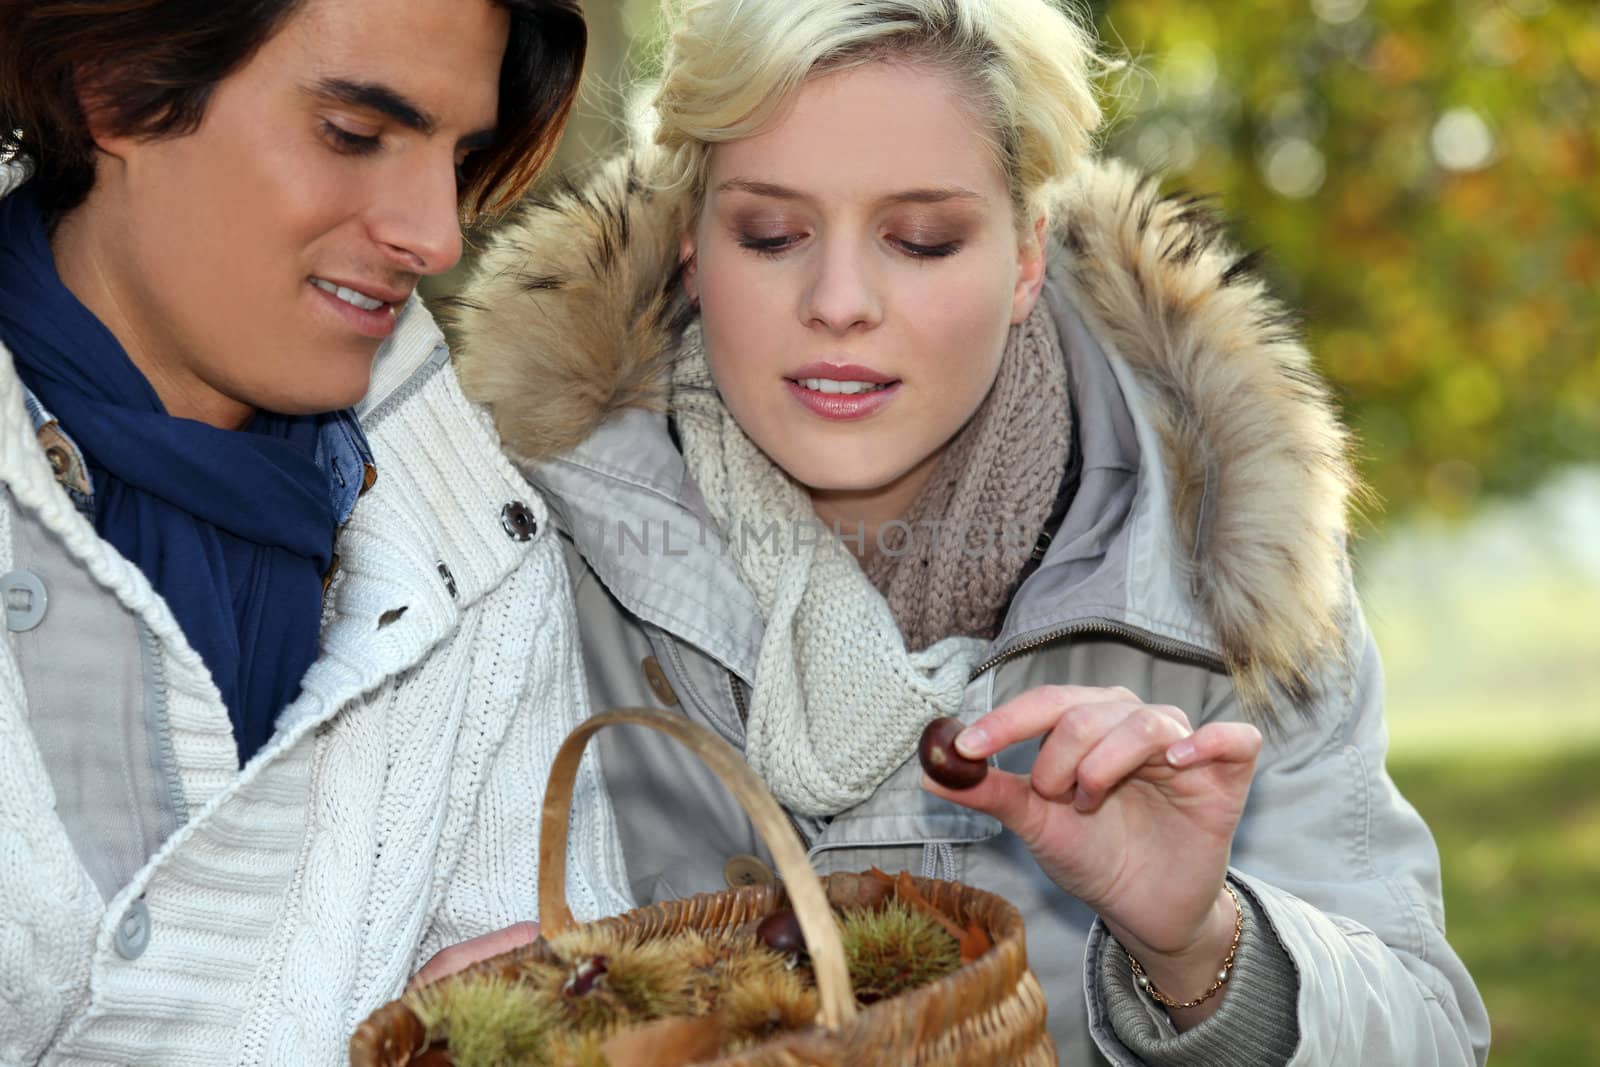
pixel 574 312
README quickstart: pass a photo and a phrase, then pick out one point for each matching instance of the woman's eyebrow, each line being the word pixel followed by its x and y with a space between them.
pixel 933 195
pixel 755 188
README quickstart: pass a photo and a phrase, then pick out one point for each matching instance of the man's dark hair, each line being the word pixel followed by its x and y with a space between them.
pixel 151 66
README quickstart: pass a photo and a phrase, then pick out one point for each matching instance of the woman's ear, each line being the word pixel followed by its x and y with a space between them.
pixel 1030 271
pixel 686 260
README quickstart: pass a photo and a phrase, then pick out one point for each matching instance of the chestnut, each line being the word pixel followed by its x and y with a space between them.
pixel 937 751
pixel 780 932
pixel 584 976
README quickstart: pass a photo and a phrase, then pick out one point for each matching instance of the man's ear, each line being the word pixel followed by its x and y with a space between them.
pixel 686 260
pixel 97 111
pixel 1031 262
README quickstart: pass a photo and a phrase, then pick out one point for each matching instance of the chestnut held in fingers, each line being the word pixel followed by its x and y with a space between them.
pixel 780 932
pixel 944 764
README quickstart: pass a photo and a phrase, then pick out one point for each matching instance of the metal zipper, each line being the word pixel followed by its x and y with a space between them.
pixel 738 699
pixel 1156 645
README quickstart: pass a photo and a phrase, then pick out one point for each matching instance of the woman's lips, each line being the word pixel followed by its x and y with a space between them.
pixel 841 372
pixel 842 407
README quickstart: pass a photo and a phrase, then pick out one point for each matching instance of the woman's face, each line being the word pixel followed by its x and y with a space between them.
pixel 858 266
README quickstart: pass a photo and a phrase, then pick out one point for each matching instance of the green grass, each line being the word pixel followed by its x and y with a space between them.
pixel 1479 664
pixel 1519 838
pixel 1490 634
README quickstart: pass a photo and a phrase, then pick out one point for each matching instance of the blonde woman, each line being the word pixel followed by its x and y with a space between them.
pixel 867 395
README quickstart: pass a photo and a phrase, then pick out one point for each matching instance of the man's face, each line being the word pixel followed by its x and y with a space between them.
pixel 259 262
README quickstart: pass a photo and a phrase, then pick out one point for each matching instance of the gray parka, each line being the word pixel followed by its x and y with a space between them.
pixel 1200 564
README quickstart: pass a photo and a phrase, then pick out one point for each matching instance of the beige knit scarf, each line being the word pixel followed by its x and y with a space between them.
pixel 840 699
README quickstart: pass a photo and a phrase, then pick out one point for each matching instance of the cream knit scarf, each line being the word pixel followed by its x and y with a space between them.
pixel 839 699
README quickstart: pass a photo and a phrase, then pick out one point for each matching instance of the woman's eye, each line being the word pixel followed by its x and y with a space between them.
pixel 767 246
pixel 921 251
pixel 345 141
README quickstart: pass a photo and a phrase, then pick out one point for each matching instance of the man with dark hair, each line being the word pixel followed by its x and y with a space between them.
pixel 274 709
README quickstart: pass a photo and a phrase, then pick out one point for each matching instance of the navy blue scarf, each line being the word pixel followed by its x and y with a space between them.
pixel 234 529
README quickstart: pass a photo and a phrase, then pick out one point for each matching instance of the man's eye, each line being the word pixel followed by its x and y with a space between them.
pixel 345 141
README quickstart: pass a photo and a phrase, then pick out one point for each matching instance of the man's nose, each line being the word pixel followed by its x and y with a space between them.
pixel 418 218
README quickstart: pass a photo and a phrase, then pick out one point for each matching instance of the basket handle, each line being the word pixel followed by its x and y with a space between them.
pixel 810 900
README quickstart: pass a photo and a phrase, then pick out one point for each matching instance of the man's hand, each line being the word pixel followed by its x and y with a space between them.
pixel 459 957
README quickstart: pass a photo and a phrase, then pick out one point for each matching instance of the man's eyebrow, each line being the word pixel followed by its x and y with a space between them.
pixel 908 196
pixel 375 97
pixel 386 101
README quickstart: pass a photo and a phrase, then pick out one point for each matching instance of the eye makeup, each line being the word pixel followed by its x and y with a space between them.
pixel 928 237
pixel 919 234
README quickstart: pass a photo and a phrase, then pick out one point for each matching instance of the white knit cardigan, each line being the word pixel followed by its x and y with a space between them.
pixel 394 813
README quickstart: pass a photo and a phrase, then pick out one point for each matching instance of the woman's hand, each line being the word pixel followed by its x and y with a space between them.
pixel 1130 810
pixel 459 957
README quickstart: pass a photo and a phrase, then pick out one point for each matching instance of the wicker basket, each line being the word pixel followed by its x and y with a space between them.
pixel 988 1012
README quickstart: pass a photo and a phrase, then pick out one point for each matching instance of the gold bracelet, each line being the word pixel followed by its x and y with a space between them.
pixel 1222 975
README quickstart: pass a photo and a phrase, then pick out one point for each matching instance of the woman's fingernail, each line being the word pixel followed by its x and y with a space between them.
pixel 973 742
pixel 1181 753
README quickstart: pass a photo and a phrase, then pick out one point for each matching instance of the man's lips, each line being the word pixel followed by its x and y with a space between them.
pixel 361 294
pixel 371 313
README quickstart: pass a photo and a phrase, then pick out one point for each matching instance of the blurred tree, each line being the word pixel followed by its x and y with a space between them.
pixel 1424 175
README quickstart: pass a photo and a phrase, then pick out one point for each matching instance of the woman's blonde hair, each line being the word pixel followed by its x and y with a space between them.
pixel 730 66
